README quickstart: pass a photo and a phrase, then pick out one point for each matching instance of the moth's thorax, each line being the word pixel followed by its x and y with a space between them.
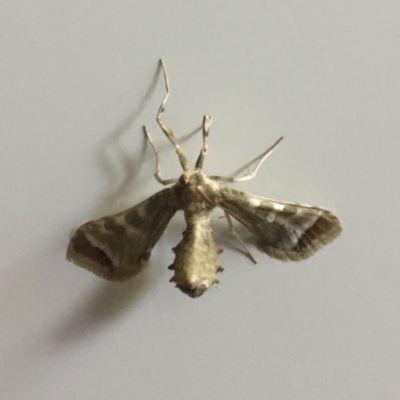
pixel 192 178
pixel 192 185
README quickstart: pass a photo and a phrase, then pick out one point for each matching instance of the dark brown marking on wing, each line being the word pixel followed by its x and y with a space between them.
pixel 134 219
pixel 116 247
pixel 83 246
pixel 294 232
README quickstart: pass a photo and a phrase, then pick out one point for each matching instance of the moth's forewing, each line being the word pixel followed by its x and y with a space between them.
pixel 116 247
pixel 285 231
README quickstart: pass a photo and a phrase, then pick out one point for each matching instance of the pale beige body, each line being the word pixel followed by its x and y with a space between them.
pixel 196 261
pixel 196 256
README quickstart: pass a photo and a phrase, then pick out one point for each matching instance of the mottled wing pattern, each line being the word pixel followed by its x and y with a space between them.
pixel 285 231
pixel 116 247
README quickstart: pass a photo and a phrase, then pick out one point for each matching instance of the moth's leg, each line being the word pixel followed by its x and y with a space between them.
pixel 232 230
pixel 207 120
pixel 157 174
pixel 252 175
pixel 167 130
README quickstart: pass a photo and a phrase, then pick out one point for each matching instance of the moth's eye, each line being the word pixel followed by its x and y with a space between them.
pixel 183 180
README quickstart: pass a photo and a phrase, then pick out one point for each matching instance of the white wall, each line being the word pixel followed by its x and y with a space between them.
pixel 78 79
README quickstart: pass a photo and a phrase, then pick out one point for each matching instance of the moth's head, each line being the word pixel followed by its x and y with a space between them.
pixel 192 178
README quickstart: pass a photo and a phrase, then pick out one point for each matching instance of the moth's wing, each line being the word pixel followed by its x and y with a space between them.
pixel 116 247
pixel 285 231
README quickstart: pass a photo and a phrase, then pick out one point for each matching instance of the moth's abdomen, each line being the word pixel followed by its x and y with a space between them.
pixel 196 262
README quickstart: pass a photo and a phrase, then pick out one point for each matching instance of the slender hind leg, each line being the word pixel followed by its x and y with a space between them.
pixel 254 173
pixel 207 120
pixel 167 130
pixel 157 174
pixel 232 230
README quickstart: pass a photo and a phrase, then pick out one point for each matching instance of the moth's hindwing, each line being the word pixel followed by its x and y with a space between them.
pixel 117 246
pixel 285 231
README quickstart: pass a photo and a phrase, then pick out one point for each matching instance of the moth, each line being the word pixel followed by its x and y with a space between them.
pixel 117 247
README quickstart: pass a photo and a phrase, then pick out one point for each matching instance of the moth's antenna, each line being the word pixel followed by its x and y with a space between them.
pixel 167 130
pixel 207 120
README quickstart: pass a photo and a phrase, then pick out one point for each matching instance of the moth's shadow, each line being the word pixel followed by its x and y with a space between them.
pixel 114 154
pixel 111 299
pixel 108 301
